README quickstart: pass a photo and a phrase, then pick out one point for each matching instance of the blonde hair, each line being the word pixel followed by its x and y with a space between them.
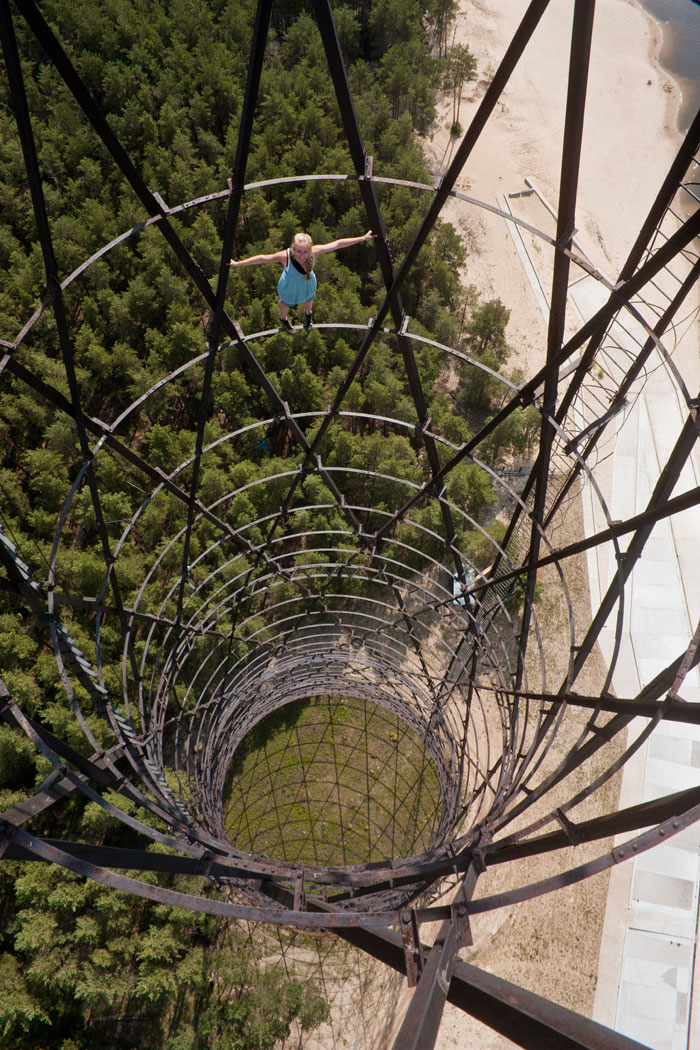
pixel 305 239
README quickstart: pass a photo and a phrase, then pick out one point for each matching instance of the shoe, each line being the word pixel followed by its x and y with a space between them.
pixel 308 322
pixel 284 323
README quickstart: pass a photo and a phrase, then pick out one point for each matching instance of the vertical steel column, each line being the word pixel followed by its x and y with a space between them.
pixel 668 478
pixel 581 36
pixel 369 196
pixel 527 1019
pixel 361 164
pixel 19 102
pixel 421 1023
pixel 643 356
pixel 667 679
pixel 671 183
pixel 255 63
pixel 511 58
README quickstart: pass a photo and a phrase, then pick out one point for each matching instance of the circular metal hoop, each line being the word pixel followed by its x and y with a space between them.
pixel 321 578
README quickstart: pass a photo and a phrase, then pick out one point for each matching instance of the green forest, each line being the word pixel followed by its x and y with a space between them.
pixel 80 965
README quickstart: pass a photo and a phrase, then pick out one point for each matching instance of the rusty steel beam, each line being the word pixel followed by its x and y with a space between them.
pixel 671 183
pixel 628 851
pixel 527 392
pixel 661 684
pixel 673 711
pixel 255 64
pixel 31 163
pixel 633 818
pixel 690 658
pixel 685 443
pixel 669 815
pixel 155 206
pixel 122 859
pixel 579 60
pixel 362 165
pixel 528 1020
pixel 510 60
pixel 421 1023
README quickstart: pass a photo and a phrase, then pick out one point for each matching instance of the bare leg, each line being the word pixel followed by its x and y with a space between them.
pixel 308 306
pixel 309 318
pixel 284 321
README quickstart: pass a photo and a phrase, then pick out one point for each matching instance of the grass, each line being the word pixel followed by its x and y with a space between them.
pixel 332 780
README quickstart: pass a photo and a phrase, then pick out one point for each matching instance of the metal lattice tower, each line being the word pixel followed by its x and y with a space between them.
pixel 233 623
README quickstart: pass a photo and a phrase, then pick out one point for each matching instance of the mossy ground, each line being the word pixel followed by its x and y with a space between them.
pixel 332 780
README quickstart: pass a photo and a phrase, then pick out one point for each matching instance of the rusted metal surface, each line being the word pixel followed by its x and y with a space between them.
pixel 676 711
pixel 579 58
pixel 526 1019
pixel 422 1021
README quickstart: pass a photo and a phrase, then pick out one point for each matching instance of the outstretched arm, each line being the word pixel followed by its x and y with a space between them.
pixel 343 242
pixel 279 257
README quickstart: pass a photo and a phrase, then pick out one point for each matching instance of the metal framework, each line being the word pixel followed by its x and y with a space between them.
pixel 227 627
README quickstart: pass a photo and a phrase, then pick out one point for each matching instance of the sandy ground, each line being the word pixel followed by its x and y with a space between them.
pixel 630 137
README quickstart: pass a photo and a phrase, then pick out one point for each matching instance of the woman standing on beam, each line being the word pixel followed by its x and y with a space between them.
pixel 298 281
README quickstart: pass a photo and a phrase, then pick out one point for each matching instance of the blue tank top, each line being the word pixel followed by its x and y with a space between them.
pixel 294 287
